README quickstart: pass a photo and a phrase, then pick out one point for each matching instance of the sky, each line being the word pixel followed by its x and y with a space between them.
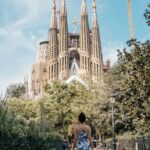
pixel 24 23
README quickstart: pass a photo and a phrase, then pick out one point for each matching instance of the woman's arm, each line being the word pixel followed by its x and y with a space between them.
pixel 75 139
pixel 90 138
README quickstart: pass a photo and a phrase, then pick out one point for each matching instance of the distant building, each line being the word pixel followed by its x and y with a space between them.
pixel 68 56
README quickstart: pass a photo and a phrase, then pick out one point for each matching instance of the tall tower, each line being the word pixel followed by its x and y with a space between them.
pixel 84 41
pixel 39 71
pixel 63 42
pixel 52 54
pixel 130 20
pixel 96 52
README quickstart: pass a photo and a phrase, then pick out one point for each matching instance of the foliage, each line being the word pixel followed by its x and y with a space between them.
pixel 60 98
pixel 20 127
pixel 99 109
pixel 67 101
pixel 56 114
pixel 147 15
pixel 16 90
pixel 132 74
pixel 30 142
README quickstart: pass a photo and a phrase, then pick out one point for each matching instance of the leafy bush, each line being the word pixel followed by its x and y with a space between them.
pixel 22 133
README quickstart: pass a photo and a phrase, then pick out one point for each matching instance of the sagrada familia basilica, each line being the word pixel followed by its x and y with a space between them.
pixel 67 55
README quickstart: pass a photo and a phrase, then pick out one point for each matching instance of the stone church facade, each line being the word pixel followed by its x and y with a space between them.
pixel 68 55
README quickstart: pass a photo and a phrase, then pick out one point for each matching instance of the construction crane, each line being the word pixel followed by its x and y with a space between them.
pixel 75 22
pixel 130 20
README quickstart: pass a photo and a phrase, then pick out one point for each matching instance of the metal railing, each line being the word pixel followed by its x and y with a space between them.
pixel 143 143
pixel 140 143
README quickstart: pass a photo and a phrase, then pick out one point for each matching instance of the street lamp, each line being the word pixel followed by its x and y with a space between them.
pixel 112 100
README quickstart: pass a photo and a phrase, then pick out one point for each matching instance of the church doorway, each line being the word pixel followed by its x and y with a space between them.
pixel 74 55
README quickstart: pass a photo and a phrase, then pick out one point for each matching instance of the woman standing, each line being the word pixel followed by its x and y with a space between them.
pixel 82 135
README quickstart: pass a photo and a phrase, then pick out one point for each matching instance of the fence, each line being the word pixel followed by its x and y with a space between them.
pixel 140 143
pixel 143 143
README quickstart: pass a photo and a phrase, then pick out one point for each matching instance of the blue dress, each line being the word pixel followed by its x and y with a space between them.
pixel 82 141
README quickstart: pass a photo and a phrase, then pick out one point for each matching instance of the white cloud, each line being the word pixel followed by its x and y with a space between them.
pixel 3 32
pixel 18 48
pixel 110 50
pixel 20 23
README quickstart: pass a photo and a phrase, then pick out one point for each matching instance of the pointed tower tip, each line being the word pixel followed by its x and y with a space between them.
pixel 94 20
pixel 63 10
pixel 94 4
pixel 54 5
pixel 53 18
pixel 83 1
pixel 83 7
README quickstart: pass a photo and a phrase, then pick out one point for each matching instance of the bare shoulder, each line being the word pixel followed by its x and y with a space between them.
pixel 76 127
pixel 88 127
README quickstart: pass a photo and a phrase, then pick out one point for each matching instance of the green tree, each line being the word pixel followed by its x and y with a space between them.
pixel 16 90
pixel 20 120
pixel 24 108
pixel 67 101
pixel 60 98
pixel 99 108
pixel 132 74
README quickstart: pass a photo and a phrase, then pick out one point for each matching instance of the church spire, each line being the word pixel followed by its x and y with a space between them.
pixel 53 41
pixel 84 30
pixel 63 41
pixel 53 46
pixel 83 8
pixel 84 38
pixel 63 10
pixel 96 53
pixel 96 44
pixel 63 28
pixel 53 23
pixel 94 19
